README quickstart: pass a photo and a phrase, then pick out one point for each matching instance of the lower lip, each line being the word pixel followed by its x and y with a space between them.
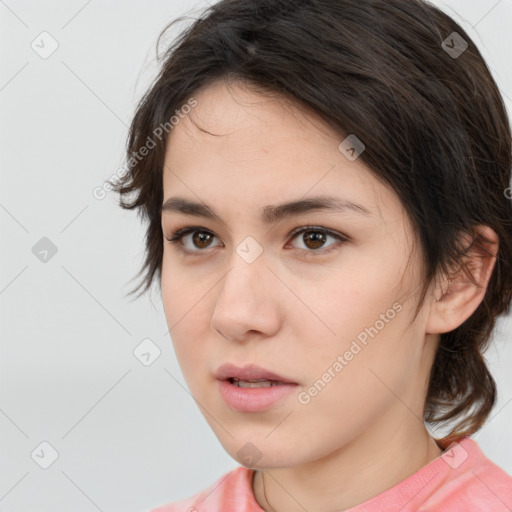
pixel 253 399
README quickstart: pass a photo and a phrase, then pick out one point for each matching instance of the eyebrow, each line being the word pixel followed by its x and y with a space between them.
pixel 270 213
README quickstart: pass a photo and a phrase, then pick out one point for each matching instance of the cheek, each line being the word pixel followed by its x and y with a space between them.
pixel 350 303
pixel 181 293
pixel 361 334
pixel 178 299
pixel 351 382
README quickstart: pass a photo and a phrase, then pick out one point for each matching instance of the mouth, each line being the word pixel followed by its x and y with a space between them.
pixel 252 388
pixel 258 383
pixel 250 373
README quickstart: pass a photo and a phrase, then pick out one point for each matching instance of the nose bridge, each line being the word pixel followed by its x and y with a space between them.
pixel 244 293
pixel 247 268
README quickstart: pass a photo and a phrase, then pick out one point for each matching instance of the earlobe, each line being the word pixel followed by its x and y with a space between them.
pixel 457 296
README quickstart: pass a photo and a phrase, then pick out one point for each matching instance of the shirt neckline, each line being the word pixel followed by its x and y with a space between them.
pixel 425 473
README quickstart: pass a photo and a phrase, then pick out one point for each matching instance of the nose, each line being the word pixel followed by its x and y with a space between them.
pixel 248 301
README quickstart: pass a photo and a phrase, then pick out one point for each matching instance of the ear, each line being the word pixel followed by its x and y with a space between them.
pixel 457 297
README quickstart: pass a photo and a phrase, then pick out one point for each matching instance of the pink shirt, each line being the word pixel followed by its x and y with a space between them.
pixel 462 479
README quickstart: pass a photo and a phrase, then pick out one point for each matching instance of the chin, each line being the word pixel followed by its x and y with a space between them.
pixel 257 452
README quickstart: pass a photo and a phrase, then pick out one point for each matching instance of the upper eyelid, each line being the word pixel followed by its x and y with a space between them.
pixel 190 229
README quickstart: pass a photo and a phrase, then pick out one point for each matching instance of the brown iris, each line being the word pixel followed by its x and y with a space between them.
pixel 315 237
pixel 201 237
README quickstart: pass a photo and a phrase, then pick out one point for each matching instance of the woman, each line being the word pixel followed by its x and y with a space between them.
pixel 325 184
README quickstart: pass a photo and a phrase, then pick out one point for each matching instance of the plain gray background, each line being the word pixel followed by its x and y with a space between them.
pixel 128 436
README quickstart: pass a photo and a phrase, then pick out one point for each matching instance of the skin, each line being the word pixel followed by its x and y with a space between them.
pixel 294 314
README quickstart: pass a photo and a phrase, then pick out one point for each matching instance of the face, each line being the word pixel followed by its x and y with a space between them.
pixel 319 300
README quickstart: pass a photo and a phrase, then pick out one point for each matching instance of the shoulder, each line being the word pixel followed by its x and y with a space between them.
pixel 232 491
pixel 473 482
pixel 461 479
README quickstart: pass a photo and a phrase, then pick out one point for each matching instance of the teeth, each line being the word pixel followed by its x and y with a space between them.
pixel 259 383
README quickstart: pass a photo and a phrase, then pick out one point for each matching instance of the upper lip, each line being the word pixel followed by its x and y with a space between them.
pixel 248 372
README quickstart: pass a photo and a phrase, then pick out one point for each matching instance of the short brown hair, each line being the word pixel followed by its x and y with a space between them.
pixel 433 123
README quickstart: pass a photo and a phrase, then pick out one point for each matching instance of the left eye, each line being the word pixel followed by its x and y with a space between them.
pixel 313 238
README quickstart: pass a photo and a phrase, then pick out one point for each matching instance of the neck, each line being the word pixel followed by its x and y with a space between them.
pixel 351 475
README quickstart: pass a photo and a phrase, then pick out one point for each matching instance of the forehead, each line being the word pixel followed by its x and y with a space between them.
pixel 238 145
pixel 230 118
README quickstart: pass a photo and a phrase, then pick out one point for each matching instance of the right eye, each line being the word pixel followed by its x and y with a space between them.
pixel 200 238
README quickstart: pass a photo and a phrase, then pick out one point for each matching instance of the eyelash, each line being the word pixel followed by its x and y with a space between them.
pixel 180 233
